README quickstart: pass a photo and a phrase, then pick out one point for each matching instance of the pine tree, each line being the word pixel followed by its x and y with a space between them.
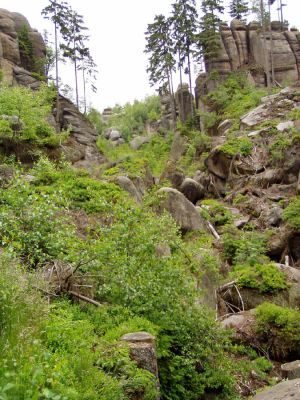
pixel 56 11
pixel 210 22
pixel 184 32
pixel 239 9
pixel 161 61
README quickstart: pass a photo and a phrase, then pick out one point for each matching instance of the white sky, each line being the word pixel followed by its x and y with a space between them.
pixel 117 42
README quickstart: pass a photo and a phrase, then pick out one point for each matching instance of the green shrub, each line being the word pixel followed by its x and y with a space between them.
pixel 244 247
pixel 237 146
pixel 131 118
pixel 279 328
pixel 31 109
pixel 31 224
pixel 216 212
pixel 292 213
pixel 266 278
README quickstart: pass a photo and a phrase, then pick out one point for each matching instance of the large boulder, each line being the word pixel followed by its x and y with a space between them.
pixel 192 190
pixel 287 390
pixel 182 210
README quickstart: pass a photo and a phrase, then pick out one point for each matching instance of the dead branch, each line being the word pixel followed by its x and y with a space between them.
pixel 84 298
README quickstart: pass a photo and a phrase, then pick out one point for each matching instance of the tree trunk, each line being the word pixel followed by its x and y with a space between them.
pixel 180 78
pixel 84 90
pixel 271 46
pixel 267 66
pixel 190 83
pixel 56 72
pixel 76 77
pixel 173 109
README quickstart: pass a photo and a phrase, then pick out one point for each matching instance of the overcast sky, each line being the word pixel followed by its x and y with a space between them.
pixel 117 41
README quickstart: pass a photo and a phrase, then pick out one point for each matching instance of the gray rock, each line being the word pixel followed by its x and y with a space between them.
pixel 285 126
pixel 183 102
pixel 291 370
pixel 125 183
pixel 224 126
pixel 192 190
pixel 114 135
pixel 142 350
pixel 182 210
pixel 287 390
pixel 138 142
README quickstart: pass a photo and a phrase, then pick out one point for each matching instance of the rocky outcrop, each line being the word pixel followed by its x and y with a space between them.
pixel 287 390
pixel 181 209
pixel 80 148
pixel 183 102
pixel 242 47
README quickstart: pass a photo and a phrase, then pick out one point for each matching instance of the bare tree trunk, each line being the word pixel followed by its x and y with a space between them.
pixel 271 45
pixel 56 72
pixel 84 90
pixel 190 84
pixel 180 77
pixel 171 92
pixel 267 67
pixel 76 77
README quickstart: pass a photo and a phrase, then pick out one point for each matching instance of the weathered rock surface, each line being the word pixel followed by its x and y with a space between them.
pixel 126 183
pixel 80 148
pixel 182 210
pixel 192 190
pixel 183 102
pixel 290 370
pixel 142 350
pixel 242 47
pixel 287 390
pixel 139 141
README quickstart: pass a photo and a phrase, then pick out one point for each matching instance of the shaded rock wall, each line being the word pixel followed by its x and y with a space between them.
pixel 242 48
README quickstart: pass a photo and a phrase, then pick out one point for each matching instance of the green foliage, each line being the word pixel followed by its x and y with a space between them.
pixel 237 146
pixel 30 109
pixel 216 212
pixel 134 163
pixel 131 119
pixel 282 141
pixel 244 247
pixel 95 118
pixel 266 278
pixel 31 225
pixel 234 97
pixel 292 213
pixel 26 48
pixel 280 326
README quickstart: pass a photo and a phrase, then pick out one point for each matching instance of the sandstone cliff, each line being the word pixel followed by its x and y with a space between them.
pixel 241 48
pixel 81 147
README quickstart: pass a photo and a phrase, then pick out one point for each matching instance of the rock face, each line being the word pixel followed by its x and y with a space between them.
pixel 183 102
pixel 288 390
pixel 142 350
pixel 241 47
pixel 80 148
pixel 181 209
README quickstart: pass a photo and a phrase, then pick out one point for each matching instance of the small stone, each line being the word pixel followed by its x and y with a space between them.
pixel 285 126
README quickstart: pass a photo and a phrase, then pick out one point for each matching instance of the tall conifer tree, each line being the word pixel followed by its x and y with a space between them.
pixel 239 9
pixel 161 60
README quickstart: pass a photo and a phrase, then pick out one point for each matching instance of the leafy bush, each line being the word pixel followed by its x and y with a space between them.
pixel 292 213
pixel 131 118
pixel 30 110
pixel 234 97
pixel 31 224
pixel 237 146
pixel 266 278
pixel 134 163
pixel 279 327
pixel 244 247
pixel 216 212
